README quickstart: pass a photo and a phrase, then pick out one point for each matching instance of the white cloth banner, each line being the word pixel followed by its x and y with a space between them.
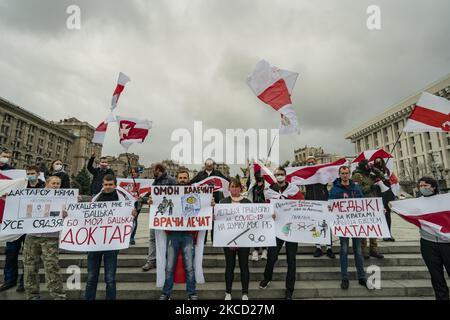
pixel 5 187
pixel 97 226
pixel 359 218
pixel 30 211
pixel 244 225
pixel 303 221
pixel 181 208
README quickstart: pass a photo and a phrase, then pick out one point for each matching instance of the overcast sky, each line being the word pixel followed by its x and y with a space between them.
pixel 188 60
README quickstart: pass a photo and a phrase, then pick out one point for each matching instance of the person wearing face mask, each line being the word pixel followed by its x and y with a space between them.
pixel 435 250
pixel 382 180
pixel 5 159
pixel 256 195
pixel 209 171
pixel 98 173
pixel 366 178
pixel 282 190
pixel 235 188
pixel 318 191
pixel 57 169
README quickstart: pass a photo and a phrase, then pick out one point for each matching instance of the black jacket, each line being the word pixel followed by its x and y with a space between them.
pixel 97 176
pixel 164 180
pixel 228 200
pixel 103 197
pixel 202 175
pixel 39 185
pixel 316 191
pixel 65 180
pixel 6 167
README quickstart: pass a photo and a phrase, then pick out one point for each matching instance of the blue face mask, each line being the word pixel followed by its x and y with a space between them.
pixel 32 178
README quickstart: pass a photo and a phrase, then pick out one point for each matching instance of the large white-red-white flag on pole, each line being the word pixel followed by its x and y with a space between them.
pixel 321 173
pixel 132 130
pixel 431 114
pixel 121 82
pixel 100 133
pixel 218 183
pixel 431 214
pixel 274 87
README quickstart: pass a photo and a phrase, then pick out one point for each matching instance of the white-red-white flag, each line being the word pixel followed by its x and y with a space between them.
pixel 121 82
pixel 274 87
pixel 264 171
pixel 431 214
pixel 431 114
pixel 132 130
pixel 218 183
pixel 100 133
pixel 321 173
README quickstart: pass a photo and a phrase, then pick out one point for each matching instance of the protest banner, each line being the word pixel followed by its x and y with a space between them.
pixel 97 226
pixel 359 218
pixel 244 225
pixel 138 187
pixel 303 221
pixel 32 211
pixel 181 208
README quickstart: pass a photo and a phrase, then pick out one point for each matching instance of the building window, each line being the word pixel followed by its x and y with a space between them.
pixel 5 130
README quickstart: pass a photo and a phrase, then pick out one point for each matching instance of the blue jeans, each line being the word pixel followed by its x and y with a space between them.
pixel 183 241
pixel 359 259
pixel 94 263
pixel 11 271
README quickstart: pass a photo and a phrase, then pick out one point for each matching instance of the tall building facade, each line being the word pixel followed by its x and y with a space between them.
pixel 301 154
pixel 416 154
pixel 34 140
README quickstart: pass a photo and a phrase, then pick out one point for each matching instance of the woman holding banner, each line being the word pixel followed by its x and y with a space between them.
pixel 235 188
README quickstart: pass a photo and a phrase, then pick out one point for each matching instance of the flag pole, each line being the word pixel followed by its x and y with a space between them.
pixel 270 150
pixel 132 177
pixel 393 147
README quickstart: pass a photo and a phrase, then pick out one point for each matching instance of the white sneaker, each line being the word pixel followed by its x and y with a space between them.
pixel 227 296
pixel 264 254
pixel 255 255
pixel 244 297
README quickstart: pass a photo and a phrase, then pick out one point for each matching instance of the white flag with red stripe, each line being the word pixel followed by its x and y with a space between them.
pixel 431 114
pixel 431 214
pixel 121 82
pixel 274 87
pixel 321 173
pixel 100 133
pixel 264 171
pixel 218 183
pixel 136 187
pixel 132 130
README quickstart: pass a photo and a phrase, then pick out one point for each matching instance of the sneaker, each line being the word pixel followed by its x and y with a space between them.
pixel 264 284
pixel 132 242
pixel 148 265
pixel 344 284
pixel 264 254
pixel 255 255
pixel 164 297
pixel 330 254
pixel 376 255
pixel 288 295
pixel 318 253
pixel 193 297
pixel 363 282
pixel 227 296
pixel 20 288
pixel 7 286
pixel 244 297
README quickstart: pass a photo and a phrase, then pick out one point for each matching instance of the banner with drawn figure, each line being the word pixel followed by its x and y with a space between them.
pixel 303 221
pixel 359 218
pixel 29 211
pixel 244 225
pixel 181 208
pixel 97 226
pixel 138 187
